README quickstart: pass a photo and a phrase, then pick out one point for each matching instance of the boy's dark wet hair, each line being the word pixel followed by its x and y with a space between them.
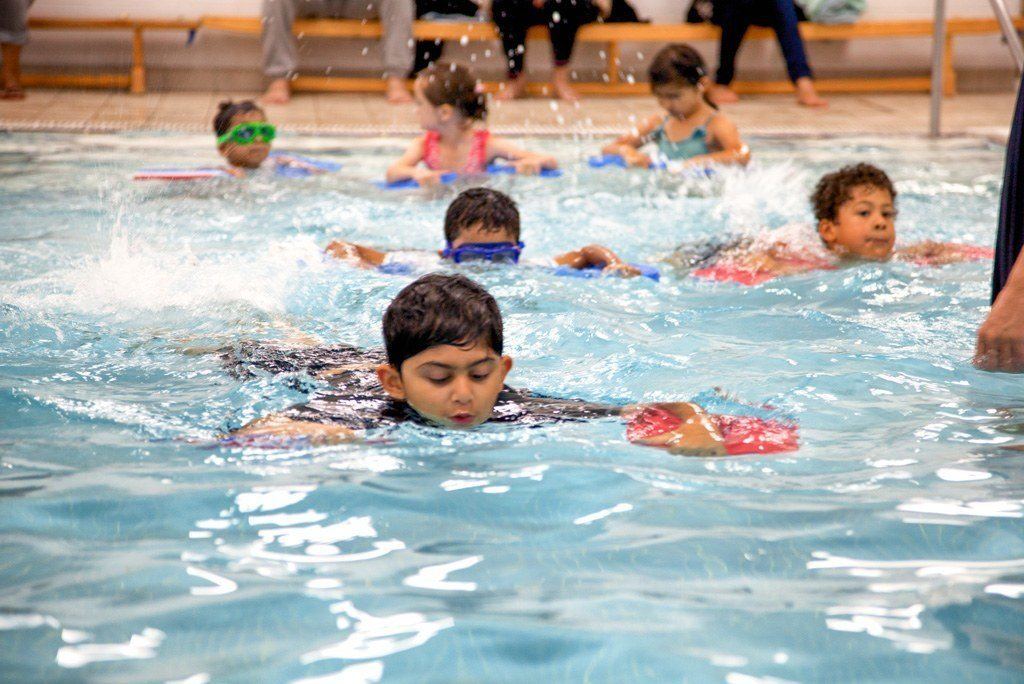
pixel 227 110
pixel 676 64
pixel 493 210
pixel 439 309
pixel 452 84
pixel 835 188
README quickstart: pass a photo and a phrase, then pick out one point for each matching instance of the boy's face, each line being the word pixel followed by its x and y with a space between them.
pixel 452 386
pixel 246 156
pixel 864 227
pixel 475 234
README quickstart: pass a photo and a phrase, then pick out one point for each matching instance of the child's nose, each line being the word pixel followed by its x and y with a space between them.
pixel 462 392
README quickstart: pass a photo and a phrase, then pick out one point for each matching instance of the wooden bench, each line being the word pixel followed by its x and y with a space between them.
pixel 134 80
pixel 615 34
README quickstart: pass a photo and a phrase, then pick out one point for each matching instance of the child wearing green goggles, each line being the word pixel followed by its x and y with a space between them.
pixel 243 135
pixel 243 139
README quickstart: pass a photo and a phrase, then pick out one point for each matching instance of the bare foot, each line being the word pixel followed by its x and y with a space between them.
pixel 563 84
pixel 807 96
pixel 723 94
pixel 514 88
pixel 396 92
pixel 278 92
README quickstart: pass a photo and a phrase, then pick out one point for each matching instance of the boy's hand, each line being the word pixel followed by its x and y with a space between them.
pixel 621 269
pixel 277 429
pixel 680 427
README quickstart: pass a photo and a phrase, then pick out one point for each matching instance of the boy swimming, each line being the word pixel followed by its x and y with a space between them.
pixel 482 224
pixel 444 365
pixel 855 208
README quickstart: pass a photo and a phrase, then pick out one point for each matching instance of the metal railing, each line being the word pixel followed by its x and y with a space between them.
pixel 1010 35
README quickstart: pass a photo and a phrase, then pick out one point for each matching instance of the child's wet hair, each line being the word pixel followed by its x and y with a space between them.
pixel 228 110
pixel 494 211
pixel 439 309
pixel 835 188
pixel 452 84
pixel 677 64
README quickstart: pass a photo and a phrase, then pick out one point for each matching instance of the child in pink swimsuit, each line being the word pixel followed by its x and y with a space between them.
pixel 450 106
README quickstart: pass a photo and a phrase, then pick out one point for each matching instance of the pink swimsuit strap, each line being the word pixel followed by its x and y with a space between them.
pixel 477 161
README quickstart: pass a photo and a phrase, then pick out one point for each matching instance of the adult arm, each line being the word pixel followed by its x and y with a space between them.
pixel 1000 345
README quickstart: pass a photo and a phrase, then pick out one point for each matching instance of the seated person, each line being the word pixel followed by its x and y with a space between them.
pixel 856 212
pixel 244 136
pixel 451 108
pixel 482 223
pixel 445 366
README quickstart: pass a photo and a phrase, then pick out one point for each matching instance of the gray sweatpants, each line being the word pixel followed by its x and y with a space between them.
pixel 281 52
pixel 14 21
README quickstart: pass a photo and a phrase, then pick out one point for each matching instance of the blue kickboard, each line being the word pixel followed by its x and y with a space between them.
pixel 646 271
pixel 446 178
pixel 603 160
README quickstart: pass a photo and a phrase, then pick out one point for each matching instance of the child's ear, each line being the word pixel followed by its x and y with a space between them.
pixel 391 381
pixel 506 366
pixel 827 231
pixel 223 149
pixel 445 112
pixel 703 83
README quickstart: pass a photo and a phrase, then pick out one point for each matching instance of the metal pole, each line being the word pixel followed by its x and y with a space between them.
pixel 938 73
pixel 1009 33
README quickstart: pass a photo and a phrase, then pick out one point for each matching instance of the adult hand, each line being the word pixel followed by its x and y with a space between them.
pixel 1001 337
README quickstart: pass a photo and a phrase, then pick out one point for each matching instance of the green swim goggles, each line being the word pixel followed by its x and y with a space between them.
pixel 248 133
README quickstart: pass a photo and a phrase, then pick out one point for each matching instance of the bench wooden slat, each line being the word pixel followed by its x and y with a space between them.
pixel 70 23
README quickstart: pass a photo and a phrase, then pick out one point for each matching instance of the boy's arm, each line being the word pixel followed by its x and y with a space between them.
pixel 627 146
pixel 942 253
pixel 524 161
pixel 350 251
pixel 680 427
pixel 726 136
pixel 276 427
pixel 406 167
pixel 598 256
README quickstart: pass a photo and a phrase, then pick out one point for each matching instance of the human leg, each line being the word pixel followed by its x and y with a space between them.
pixel 513 19
pixel 786 27
pixel 564 18
pixel 734 18
pixel 13 35
pixel 429 51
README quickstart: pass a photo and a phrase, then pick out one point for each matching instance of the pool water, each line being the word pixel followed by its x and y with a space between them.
pixel 134 548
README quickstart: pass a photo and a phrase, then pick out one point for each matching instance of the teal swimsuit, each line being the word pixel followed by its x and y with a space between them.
pixel 687 148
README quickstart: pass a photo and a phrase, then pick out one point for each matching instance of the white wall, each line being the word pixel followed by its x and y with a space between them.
pixel 231 62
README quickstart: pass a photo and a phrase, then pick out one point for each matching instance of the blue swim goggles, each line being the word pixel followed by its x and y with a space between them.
pixel 499 252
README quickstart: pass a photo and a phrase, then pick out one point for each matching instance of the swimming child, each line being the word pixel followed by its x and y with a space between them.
pixel 855 208
pixel 244 136
pixel 482 224
pixel 451 109
pixel 692 132
pixel 444 365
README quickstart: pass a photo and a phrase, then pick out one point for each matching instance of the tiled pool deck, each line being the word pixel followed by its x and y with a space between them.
pixel 884 114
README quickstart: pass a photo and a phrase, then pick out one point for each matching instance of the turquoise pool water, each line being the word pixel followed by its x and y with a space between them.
pixel 133 548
